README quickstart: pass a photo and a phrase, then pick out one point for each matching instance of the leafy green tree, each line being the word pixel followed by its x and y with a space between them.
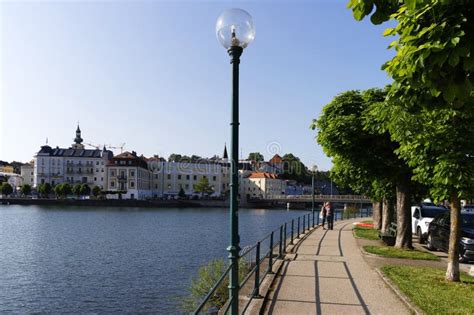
pixel 294 169
pixel 58 190
pixel 45 190
pixel 181 193
pixel 76 190
pixel 66 190
pixel 96 191
pixel 203 187
pixel 26 190
pixel 85 190
pixel 256 157
pixel 174 157
pixel 364 155
pixel 432 100
pixel 6 189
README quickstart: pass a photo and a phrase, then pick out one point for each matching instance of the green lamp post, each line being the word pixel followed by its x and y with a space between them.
pixel 235 31
pixel 313 170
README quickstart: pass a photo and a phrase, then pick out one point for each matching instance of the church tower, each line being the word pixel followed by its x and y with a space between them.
pixel 78 140
pixel 225 157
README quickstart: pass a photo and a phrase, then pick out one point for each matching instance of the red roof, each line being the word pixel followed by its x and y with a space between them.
pixel 263 175
pixel 276 159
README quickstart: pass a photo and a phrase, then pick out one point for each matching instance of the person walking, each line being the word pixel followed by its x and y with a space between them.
pixel 329 214
pixel 322 215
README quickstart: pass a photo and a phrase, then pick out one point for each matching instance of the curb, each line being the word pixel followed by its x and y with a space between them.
pixel 414 309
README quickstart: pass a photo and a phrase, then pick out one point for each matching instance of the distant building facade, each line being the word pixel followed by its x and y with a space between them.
pixel 74 165
pixel 262 185
pixel 129 177
pixel 27 173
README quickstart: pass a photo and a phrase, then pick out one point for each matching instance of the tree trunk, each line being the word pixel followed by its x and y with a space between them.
pixel 404 237
pixel 452 273
pixel 387 215
pixel 377 214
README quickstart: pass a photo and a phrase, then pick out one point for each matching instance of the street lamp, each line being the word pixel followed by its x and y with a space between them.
pixel 313 170
pixel 235 31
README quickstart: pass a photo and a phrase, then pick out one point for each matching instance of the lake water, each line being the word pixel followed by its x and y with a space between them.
pixel 91 260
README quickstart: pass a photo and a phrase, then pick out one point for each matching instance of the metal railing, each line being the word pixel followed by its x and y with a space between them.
pixel 325 197
pixel 260 258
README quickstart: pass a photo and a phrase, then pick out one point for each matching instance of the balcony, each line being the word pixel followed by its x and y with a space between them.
pixel 122 178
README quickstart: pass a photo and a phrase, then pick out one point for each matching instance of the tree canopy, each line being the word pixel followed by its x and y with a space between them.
pixel 203 187
pixel 431 98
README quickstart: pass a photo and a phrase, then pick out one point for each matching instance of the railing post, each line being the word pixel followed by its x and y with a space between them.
pixel 309 222
pixel 284 239
pixel 298 230
pixel 313 218
pixel 304 223
pixel 319 213
pixel 280 244
pixel 292 229
pixel 256 288
pixel 270 255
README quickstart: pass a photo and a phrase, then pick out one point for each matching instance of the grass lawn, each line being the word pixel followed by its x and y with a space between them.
pixel 367 233
pixel 391 252
pixel 427 289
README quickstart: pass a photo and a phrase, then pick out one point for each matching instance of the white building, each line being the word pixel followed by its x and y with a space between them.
pixel 27 172
pixel 74 165
pixel 262 185
pixel 170 177
pixel 129 177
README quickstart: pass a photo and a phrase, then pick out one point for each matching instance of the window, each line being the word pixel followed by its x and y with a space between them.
pixel 195 177
pixel 179 176
pixel 213 178
pixel 156 176
pixel 102 170
pixel 97 170
pixel 169 176
pixel 188 177
pixel 112 184
pixel 112 173
pixel 132 173
pixel 102 179
pixel 186 186
pixel 95 179
pixel 97 163
pixel 132 184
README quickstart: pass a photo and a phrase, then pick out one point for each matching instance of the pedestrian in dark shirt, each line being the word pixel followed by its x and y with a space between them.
pixel 329 215
pixel 322 215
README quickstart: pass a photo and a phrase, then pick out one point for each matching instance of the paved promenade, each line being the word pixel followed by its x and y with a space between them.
pixel 329 276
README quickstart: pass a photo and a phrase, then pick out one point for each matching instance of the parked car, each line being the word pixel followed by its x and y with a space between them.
pixel 468 208
pixel 438 235
pixel 421 216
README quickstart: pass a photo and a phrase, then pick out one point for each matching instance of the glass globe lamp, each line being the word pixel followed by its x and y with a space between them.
pixel 234 28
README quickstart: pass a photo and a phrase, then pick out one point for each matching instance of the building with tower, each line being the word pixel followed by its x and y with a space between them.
pixel 73 165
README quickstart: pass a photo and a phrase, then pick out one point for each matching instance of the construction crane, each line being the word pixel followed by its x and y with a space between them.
pixel 117 147
pixel 97 146
pixel 100 146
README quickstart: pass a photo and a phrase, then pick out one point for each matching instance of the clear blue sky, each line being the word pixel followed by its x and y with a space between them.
pixel 152 74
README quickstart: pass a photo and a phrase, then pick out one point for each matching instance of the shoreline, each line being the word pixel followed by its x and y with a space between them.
pixel 132 203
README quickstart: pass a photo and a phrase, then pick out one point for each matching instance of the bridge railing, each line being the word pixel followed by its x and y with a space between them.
pixel 259 259
pixel 325 197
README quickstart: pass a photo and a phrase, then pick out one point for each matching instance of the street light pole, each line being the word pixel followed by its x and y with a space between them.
pixel 312 192
pixel 234 30
pixel 234 52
